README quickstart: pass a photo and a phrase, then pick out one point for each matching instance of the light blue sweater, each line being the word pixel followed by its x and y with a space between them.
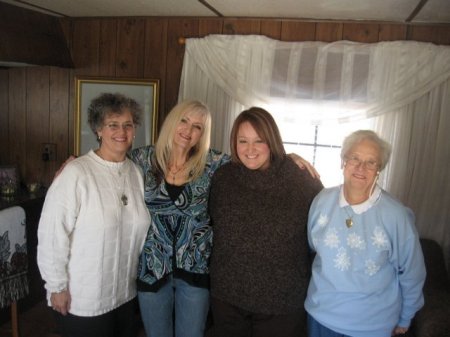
pixel 368 278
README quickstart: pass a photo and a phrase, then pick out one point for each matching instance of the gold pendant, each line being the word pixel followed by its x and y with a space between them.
pixel 349 222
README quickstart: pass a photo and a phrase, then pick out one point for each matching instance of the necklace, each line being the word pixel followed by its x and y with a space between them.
pixel 123 196
pixel 174 174
pixel 122 176
pixel 349 220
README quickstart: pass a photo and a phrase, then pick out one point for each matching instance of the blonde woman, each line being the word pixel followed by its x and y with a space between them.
pixel 173 269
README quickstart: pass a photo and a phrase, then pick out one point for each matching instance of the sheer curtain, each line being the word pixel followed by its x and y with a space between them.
pixel 404 84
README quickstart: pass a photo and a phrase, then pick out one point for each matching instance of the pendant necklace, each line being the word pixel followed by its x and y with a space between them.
pixel 123 197
pixel 121 172
pixel 174 174
pixel 349 220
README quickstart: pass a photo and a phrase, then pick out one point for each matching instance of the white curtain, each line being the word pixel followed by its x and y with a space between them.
pixel 404 84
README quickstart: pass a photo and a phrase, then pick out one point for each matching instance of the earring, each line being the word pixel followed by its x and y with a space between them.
pixel 99 138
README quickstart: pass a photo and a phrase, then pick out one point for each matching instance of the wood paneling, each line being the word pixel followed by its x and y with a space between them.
pixel 392 32
pixel 17 118
pixel 37 104
pixel 437 34
pixel 360 32
pixel 130 47
pixel 108 48
pixel 329 31
pixel 175 51
pixel 210 26
pixel 58 126
pixel 298 31
pixel 4 116
pixel 39 36
pixel 155 61
pixel 241 26
pixel 86 46
pixel 271 28
pixel 37 123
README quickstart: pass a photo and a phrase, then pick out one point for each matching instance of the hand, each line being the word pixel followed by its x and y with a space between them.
pixel 61 301
pixel 72 157
pixel 399 330
pixel 304 164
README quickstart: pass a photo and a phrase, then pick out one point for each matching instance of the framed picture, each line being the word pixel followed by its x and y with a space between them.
pixel 144 91
pixel 9 176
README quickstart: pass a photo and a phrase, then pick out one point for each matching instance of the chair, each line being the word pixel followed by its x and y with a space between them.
pixel 433 319
pixel 13 261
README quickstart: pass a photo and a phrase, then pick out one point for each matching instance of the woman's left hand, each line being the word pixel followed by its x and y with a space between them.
pixel 399 331
pixel 304 164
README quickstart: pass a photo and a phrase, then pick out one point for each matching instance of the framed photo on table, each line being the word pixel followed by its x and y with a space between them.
pixel 144 91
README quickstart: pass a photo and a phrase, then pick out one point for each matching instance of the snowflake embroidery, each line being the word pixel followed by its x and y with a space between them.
pixel 371 267
pixel 323 220
pixel 355 241
pixel 379 239
pixel 342 260
pixel 331 239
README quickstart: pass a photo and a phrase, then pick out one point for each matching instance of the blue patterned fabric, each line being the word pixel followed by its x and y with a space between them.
pixel 180 228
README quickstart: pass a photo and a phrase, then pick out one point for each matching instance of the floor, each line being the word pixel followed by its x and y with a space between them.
pixel 37 322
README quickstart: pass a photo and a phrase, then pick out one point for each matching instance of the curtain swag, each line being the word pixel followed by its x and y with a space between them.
pixel 337 81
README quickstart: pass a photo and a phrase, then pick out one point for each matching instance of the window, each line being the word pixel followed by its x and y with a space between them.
pixel 319 144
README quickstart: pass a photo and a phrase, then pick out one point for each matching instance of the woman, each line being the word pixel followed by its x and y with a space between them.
pixel 93 226
pixel 368 272
pixel 259 207
pixel 173 267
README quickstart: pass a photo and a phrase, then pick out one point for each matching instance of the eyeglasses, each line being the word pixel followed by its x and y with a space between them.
pixel 371 165
pixel 116 126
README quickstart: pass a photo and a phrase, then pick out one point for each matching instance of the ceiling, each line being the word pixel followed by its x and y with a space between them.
pixel 414 11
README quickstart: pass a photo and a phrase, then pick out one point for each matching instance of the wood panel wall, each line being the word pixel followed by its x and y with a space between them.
pixel 37 103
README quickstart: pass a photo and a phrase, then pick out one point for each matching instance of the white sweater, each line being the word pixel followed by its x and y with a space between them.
pixel 89 242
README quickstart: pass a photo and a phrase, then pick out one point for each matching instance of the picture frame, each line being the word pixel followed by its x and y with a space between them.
pixel 9 179
pixel 144 91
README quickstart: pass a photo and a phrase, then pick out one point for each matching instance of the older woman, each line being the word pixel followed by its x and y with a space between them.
pixel 368 273
pixel 259 205
pixel 92 229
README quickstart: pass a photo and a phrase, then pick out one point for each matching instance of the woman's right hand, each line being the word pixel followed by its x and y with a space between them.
pixel 68 160
pixel 61 301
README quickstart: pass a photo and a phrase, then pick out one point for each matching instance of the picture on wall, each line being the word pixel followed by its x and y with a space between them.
pixel 144 91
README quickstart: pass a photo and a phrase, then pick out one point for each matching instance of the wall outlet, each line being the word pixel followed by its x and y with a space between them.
pixel 48 151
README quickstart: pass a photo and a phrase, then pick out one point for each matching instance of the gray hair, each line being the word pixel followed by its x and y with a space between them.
pixel 107 103
pixel 358 136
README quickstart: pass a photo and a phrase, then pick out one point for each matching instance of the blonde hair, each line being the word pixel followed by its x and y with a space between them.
pixel 196 161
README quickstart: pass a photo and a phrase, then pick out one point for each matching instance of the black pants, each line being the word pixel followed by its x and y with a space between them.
pixel 120 322
pixel 229 320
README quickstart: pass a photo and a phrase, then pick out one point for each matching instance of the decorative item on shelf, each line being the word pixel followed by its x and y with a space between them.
pixel 9 180
pixel 33 187
pixel 8 188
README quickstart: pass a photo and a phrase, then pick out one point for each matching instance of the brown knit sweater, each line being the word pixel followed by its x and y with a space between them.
pixel 260 260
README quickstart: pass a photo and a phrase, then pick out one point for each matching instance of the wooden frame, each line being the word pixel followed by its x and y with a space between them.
pixel 144 91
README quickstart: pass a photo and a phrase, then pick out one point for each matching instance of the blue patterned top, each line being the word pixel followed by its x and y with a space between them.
pixel 180 228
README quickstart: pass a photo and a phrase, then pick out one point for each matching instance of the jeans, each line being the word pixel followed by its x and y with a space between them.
pixel 315 329
pixel 176 301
